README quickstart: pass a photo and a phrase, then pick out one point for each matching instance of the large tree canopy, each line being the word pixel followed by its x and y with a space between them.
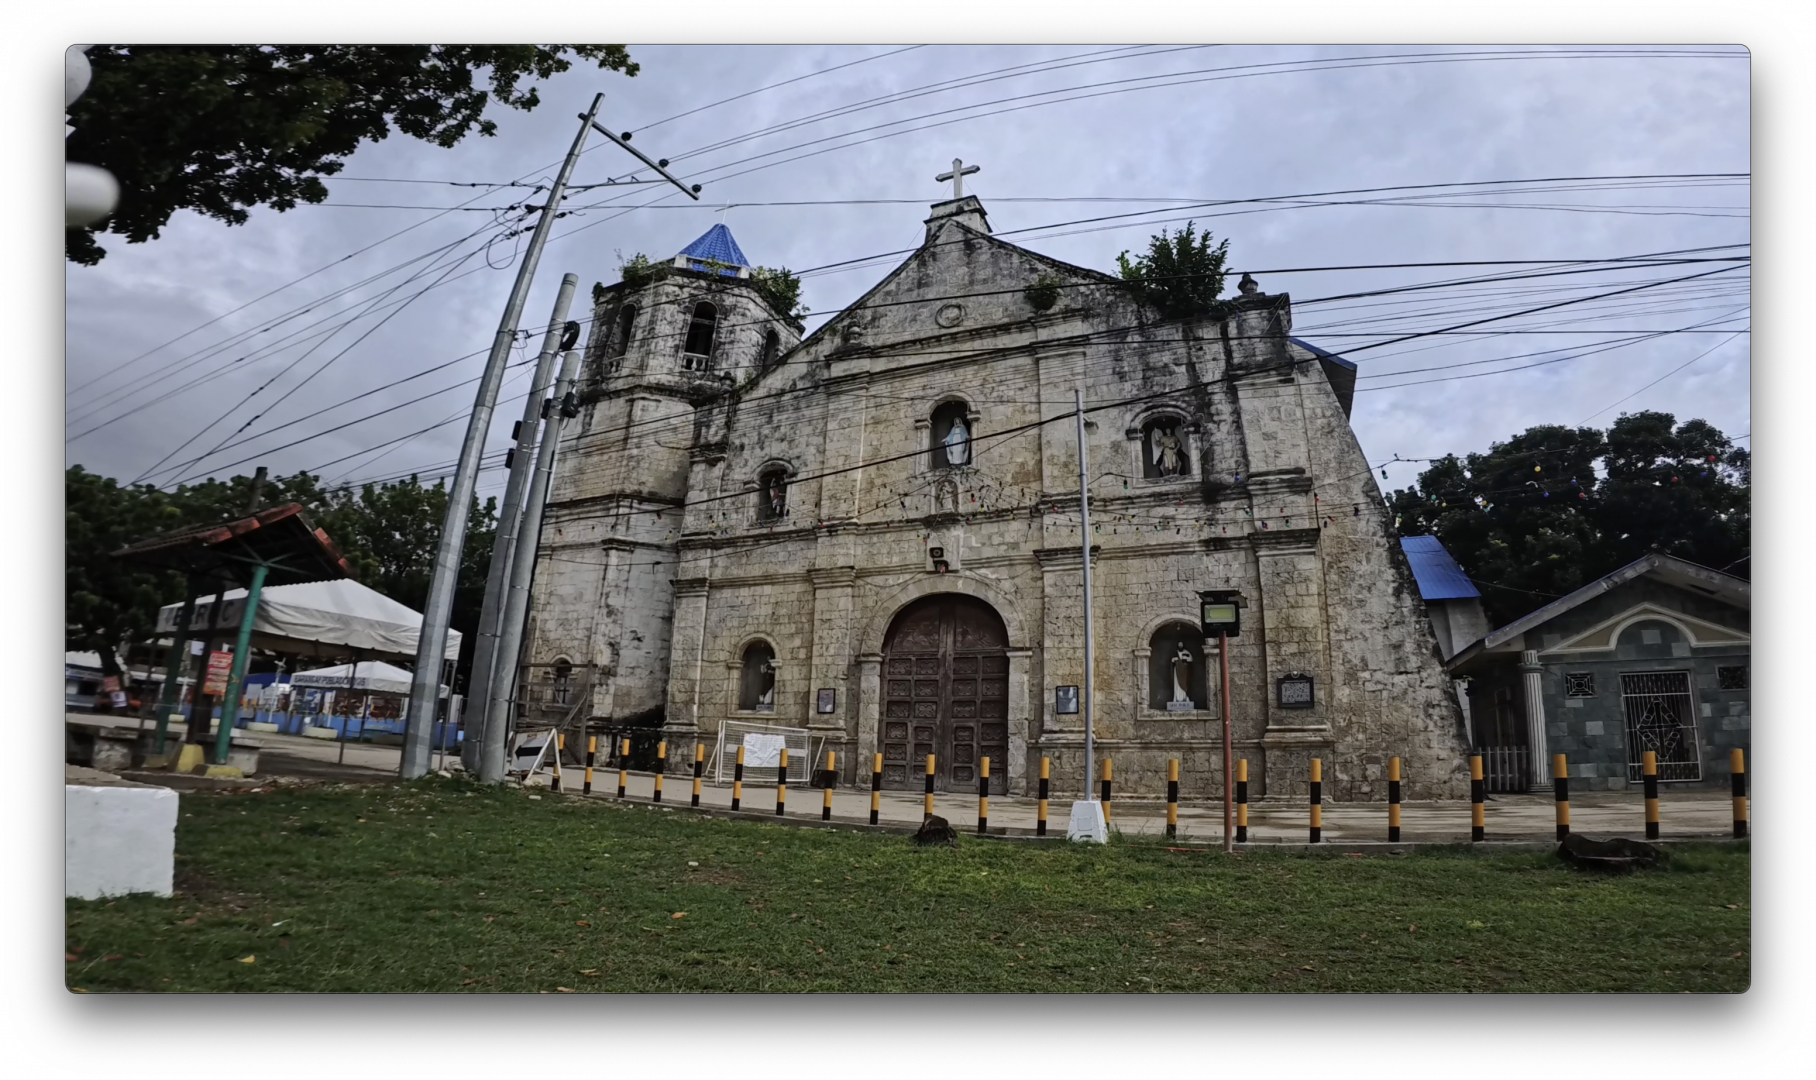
pixel 1554 508
pixel 219 129
pixel 387 533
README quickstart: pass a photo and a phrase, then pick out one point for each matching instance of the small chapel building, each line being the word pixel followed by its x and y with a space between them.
pixel 873 531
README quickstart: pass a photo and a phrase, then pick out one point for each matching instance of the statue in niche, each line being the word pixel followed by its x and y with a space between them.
pixel 958 443
pixel 778 496
pixel 1168 452
pixel 766 700
pixel 945 497
pixel 1182 674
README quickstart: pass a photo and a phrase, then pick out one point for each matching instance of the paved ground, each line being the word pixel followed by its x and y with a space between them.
pixel 1683 814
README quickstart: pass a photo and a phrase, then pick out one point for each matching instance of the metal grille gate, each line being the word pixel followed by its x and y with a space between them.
pixel 1661 717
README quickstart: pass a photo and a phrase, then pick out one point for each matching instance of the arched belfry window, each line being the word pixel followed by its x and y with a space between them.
pixel 1164 448
pixel 757 683
pixel 1176 668
pixel 627 323
pixel 772 495
pixel 772 351
pixel 698 353
pixel 953 436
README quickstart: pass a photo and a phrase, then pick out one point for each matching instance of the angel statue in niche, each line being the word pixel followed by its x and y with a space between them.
pixel 1168 455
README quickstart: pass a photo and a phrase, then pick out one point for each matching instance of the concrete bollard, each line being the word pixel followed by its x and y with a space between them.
pixel 832 765
pixel 661 767
pixel 1172 797
pixel 1108 767
pixel 1040 807
pixel 737 780
pixel 1737 766
pixel 876 787
pixel 983 796
pixel 1242 801
pixel 699 761
pixel 592 748
pixel 1648 771
pixel 1560 792
pixel 560 745
pixel 1478 792
pixel 1393 800
pixel 782 782
pixel 624 760
pixel 928 802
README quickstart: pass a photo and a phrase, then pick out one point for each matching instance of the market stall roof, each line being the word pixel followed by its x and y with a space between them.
pixel 319 619
pixel 374 677
pixel 281 537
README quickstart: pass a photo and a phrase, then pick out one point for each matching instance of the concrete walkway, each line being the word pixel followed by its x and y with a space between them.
pixel 1683 815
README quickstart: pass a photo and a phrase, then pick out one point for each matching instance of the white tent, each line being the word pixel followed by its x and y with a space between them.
pixel 318 618
pixel 374 676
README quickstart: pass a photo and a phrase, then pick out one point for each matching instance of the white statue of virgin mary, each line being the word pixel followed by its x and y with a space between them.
pixel 958 443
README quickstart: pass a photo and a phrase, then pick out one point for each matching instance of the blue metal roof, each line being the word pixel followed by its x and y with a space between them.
pixel 1322 354
pixel 1438 575
pixel 717 245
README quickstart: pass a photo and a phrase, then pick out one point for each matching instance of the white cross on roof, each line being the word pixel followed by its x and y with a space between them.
pixel 960 170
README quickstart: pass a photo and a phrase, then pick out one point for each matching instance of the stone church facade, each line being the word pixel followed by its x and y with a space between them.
pixel 873 532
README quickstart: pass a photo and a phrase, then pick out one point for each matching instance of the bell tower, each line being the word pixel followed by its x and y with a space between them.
pixel 670 337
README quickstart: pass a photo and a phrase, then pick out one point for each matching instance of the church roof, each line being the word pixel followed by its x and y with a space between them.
pixel 716 245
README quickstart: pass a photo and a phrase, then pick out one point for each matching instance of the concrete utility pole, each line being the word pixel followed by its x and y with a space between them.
pixel 504 542
pixel 432 640
pixel 523 568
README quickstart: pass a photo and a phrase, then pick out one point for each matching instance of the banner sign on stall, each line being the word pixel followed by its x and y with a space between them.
pixel 219 665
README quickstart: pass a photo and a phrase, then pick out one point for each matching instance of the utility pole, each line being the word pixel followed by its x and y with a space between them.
pixel 1092 810
pixel 523 568
pixel 504 540
pixel 432 640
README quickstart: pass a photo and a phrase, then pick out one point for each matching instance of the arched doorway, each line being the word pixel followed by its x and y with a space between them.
pixel 945 692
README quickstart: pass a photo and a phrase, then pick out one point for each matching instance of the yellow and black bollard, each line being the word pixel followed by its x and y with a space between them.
pixel 983 796
pixel 876 787
pixel 737 780
pixel 929 799
pixel 1393 800
pixel 555 781
pixel 1172 796
pixel 1478 791
pixel 1242 801
pixel 699 760
pixel 592 748
pixel 1108 765
pixel 1648 771
pixel 1560 790
pixel 661 767
pixel 1737 766
pixel 1040 806
pixel 832 764
pixel 1316 792
pixel 624 761
pixel 782 782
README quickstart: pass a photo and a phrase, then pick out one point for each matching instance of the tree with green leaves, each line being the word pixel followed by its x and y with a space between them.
pixel 219 129
pixel 1554 508
pixel 1181 274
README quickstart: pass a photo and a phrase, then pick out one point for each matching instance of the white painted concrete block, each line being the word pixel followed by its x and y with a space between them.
pixel 1087 823
pixel 118 839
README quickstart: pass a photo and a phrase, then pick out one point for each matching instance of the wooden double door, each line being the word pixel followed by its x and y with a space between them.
pixel 946 693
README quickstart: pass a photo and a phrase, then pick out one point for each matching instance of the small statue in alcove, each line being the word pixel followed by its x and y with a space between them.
pixel 1167 451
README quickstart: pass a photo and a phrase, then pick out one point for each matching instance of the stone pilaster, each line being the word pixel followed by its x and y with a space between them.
pixel 1532 675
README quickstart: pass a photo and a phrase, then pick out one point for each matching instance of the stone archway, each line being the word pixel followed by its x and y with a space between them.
pixel 945 690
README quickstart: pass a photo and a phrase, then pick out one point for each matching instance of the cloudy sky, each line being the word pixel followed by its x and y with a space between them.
pixel 216 348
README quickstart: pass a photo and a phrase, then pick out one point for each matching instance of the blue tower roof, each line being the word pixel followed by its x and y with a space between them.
pixel 1438 575
pixel 716 244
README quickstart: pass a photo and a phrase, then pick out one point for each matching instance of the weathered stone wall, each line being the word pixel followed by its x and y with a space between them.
pixel 1278 503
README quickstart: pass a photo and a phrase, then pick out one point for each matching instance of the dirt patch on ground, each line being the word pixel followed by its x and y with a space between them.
pixel 713 875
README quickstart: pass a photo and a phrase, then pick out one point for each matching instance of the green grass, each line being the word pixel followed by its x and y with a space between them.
pixel 438 885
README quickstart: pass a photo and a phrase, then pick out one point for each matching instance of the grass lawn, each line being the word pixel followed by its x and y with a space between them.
pixel 441 885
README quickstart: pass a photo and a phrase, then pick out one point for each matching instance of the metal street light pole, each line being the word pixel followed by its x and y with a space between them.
pixel 504 540
pixel 432 640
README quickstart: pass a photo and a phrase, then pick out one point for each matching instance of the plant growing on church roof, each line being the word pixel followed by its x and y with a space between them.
pixel 780 289
pixel 1044 293
pixel 638 271
pixel 1181 274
